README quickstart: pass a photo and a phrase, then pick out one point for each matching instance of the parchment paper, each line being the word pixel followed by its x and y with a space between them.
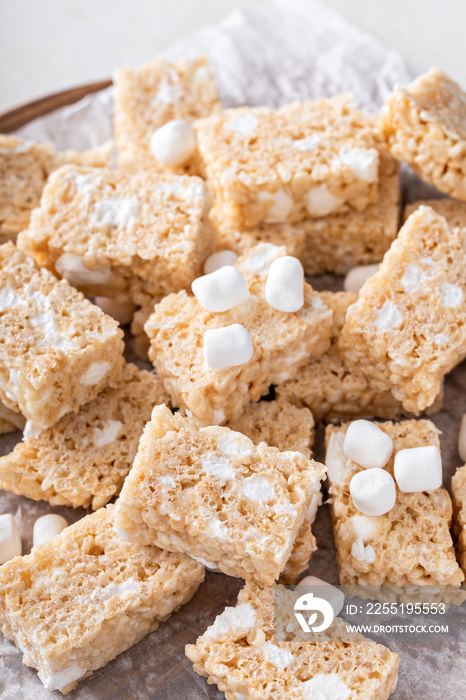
pixel 271 55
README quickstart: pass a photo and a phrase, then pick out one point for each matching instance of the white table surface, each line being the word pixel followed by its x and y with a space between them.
pixel 51 45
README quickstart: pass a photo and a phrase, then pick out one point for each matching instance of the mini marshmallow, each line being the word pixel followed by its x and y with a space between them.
pixel 367 445
pixel 10 541
pixel 230 346
pixel 418 469
pixel 356 277
pixel 219 259
pixel 462 439
pixel 284 288
pixel 121 311
pixel 332 594
pixel 174 143
pixel 46 527
pixel 221 290
pixel 373 491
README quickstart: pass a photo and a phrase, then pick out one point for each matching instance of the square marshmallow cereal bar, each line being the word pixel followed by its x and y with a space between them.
pixel 458 490
pixel 111 234
pixel 408 327
pixel 239 652
pixel 211 493
pixel 306 159
pixel 424 125
pixel 58 351
pixel 24 169
pixel 84 458
pixel 410 545
pixel 85 596
pixel 452 210
pixel 282 343
pixel 154 94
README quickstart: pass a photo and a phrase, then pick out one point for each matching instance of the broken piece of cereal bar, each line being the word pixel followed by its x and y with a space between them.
pixel 211 493
pixel 408 327
pixel 458 492
pixel 84 458
pixel 85 596
pixel 58 351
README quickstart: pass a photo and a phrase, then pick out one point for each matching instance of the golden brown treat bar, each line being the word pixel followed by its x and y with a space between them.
pixel 10 421
pixel 58 351
pixel 452 210
pixel 282 343
pixel 84 458
pixel 112 234
pixel 408 327
pixel 458 492
pixel 154 94
pixel 213 494
pixel 424 125
pixel 24 169
pixel 85 596
pixel 411 545
pixel 239 653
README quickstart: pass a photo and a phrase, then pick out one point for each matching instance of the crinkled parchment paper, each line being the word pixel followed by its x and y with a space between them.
pixel 271 54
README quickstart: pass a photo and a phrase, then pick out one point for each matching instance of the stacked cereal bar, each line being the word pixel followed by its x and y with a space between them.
pixel 211 493
pixel 78 601
pixel 408 326
pixel 112 234
pixel 240 654
pixel 153 95
pixel 306 159
pixel 458 490
pixel 408 545
pixel 425 125
pixel 84 458
pixel 24 168
pixel 282 342
pixel 58 351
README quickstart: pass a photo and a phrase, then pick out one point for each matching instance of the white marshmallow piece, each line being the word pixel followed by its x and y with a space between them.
pixel 418 469
pixel 174 143
pixel 219 259
pixel 10 541
pixel 462 439
pixel 221 290
pixel 121 311
pixel 332 594
pixel 46 527
pixel 356 277
pixel 373 491
pixel 284 288
pixel 367 445
pixel 230 346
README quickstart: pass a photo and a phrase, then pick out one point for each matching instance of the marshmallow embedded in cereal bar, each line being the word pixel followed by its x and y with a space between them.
pixel 24 169
pixel 249 653
pixel 148 98
pixel 212 493
pixel 85 596
pixel 408 327
pixel 58 351
pixel 424 125
pixel 84 458
pixel 281 343
pixel 111 234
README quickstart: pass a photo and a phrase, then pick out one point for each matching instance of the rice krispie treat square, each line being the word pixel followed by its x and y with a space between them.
pixel 154 94
pixel 57 350
pixel 211 493
pixel 282 343
pixel 10 420
pixel 24 169
pixel 84 458
pixel 409 545
pixel 111 234
pixel 240 654
pixel 424 125
pixel 451 209
pixel 306 159
pixel 82 598
pixel 408 327
pixel 458 492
